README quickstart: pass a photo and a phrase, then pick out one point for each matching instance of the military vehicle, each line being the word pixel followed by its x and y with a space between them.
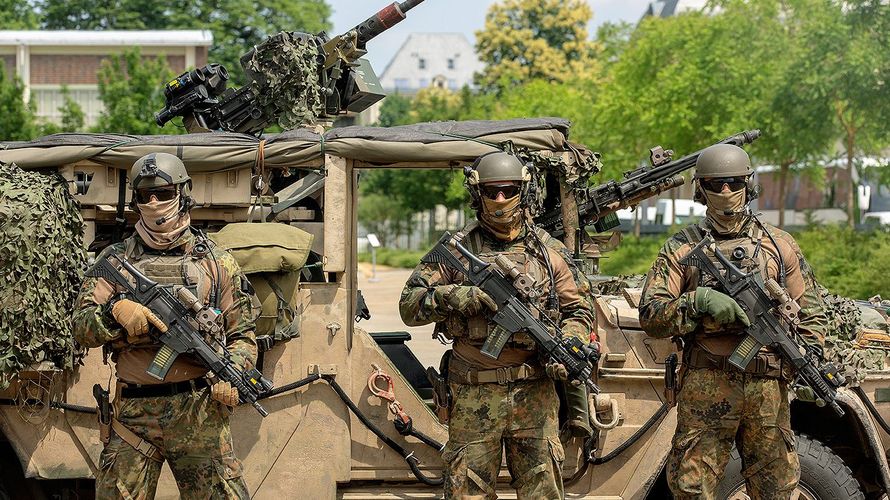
pixel 328 435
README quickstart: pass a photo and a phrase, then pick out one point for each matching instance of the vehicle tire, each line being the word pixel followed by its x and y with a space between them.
pixel 817 479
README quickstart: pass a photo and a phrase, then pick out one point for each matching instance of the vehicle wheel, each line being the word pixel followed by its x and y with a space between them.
pixel 817 481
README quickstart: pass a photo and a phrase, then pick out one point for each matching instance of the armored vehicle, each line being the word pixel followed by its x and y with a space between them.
pixel 329 433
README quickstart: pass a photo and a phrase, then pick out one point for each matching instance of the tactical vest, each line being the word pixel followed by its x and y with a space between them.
pixel 176 268
pixel 525 252
pixel 749 255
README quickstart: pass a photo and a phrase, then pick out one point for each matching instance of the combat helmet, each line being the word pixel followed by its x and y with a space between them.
pixel 156 170
pixel 494 167
pixel 725 160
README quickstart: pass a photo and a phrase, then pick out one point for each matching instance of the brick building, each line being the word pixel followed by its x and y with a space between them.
pixel 47 60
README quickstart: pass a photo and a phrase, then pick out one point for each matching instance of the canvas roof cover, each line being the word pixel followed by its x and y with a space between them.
pixel 218 151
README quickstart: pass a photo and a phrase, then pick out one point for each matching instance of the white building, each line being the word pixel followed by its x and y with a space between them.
pixel 446 60
pixel 47 60
pixel 667 8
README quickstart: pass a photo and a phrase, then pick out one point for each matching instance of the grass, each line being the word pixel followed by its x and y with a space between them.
pixel 850 263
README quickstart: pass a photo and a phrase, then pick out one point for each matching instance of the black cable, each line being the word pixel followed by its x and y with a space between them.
pixel 409 430
pixel 291 386
pixel 778 252
pixel 617 451
pixel 871 408
pixel 409 457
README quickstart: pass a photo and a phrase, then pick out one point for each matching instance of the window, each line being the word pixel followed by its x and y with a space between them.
pixel 402 83
pixel 424 83
pixel 49 99
pixel 450 63
pixel 452 84
pixel 421 63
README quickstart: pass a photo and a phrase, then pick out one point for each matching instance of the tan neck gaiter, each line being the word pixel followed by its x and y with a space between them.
pixel 502 218
pixel 721 203
pixel 160 223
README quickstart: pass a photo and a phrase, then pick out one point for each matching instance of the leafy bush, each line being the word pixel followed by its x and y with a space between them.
pixel 394 257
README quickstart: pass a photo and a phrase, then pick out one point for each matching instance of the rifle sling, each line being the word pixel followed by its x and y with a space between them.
pixel 142 446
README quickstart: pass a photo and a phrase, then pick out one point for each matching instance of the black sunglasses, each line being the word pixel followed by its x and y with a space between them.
pixel 716 185
pixel 492 191
pixel 162 194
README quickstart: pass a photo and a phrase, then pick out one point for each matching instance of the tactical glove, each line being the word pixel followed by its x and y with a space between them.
pixel 556 371
pixel 719 306
pixel 224 393
pixel 135 318
pixel 468 300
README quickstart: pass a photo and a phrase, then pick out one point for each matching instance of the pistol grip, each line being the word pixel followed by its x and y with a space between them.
pixel 162 362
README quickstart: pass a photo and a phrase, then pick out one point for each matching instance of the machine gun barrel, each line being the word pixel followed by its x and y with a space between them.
pixel 598 204
pixel 386 18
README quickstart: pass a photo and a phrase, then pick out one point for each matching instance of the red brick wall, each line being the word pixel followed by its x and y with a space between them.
pixel 802 194
pixel 8 62
pixel 75 69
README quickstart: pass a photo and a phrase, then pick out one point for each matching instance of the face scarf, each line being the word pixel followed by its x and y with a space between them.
pixel 502 218
pixel 719 204
pixel 160 223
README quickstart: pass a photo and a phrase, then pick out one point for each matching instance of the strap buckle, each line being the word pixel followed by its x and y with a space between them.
pixel 504 376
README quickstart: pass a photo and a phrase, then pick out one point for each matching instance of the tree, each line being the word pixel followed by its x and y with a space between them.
pixel 18 122
pixel 394 111
pixel 18 15
pixel 851 71
pixel 237 25
pixel 535 39
pixel 72 117
pixel 128 87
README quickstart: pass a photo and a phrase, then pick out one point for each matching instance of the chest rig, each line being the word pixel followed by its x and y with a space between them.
pixel 176 267
pixel 525 255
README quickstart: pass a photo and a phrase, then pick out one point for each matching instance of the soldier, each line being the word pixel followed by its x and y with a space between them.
pixel 509 401
pixel 182 419
pixel 719 405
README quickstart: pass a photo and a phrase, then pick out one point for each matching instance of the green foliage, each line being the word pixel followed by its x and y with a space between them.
pixel 237 25
pixel 394 257
pixel 535 39
pixel 394 111
pixel 847 262
pixel 72 117
pixel 384 216
pixel 17 123
pixel 18 15
pixel 128 86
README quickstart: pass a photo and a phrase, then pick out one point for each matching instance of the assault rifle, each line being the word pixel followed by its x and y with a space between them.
pixel 188 321
pixel 512 315
pixel 597 205
pixel 346 80
pixel 773 315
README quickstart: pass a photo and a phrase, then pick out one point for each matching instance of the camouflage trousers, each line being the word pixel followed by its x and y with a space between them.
pixel 520 417
pixel 192 433
pixel 716 409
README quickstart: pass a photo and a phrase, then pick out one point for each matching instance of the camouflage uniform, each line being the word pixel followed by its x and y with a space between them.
pixel 718 405
pixel 519 415
pixel 190 430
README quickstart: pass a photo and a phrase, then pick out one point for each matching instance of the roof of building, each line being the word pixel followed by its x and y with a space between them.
pixel 109 37
pixel 436 49
pixel 667 8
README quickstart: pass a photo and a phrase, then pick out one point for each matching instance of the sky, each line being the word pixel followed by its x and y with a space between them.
pixel 449 16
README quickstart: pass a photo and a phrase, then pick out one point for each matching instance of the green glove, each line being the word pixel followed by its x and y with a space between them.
pixel 719 306
pixel 469 300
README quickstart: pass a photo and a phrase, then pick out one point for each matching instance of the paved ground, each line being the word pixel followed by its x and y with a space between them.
pixel 382 297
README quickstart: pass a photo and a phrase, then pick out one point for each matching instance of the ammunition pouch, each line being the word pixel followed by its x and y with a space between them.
pixel 765 364
pixel 460 372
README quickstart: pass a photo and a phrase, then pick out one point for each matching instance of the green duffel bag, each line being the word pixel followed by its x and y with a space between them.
pixel 272 255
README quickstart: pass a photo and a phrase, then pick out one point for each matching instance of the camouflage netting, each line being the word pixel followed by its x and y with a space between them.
pixel 286 68
pixel 615 284
pixel 846 319
pixel 41 262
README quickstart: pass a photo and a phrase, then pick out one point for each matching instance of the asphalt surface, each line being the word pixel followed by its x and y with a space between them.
pixel 381 293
